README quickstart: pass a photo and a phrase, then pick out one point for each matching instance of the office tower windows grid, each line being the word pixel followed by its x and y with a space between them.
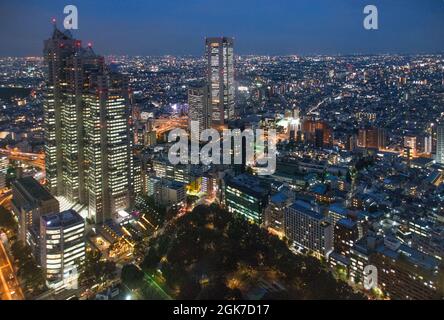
pixel 440 144
pixel 309 229
pixel 220 77
pixel 87 135
pixel 62 245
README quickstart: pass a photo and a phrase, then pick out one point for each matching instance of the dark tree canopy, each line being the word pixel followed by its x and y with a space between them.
pixel 131 276
pixel 202 251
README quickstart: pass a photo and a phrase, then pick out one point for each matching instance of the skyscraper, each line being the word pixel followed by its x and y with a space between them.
pixel 220 78
pixel 30 202
pixel 87 133
pixel 108 146
pixel 61 109
pixel 440 144
pixel 308 229
pixel 199 106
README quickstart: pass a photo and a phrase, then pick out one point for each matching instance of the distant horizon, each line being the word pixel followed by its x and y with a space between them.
pixel 259 27
pixel 257 55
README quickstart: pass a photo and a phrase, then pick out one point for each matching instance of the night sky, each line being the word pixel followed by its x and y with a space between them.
pixel 277 27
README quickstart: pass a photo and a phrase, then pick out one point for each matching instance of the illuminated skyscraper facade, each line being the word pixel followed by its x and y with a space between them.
pixel 87 131
pixel 199 106
pixel 440 144
pixel 60 52
pixel 62 247
pixel 108 152
pixel 220 78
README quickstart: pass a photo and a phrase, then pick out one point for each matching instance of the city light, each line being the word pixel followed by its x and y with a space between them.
pixel 294 158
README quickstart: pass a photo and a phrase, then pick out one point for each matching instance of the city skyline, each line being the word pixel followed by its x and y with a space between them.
pixel 201 178
pixel 282 28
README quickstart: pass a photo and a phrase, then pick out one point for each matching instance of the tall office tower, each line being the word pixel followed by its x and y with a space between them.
pixel 69 69
pixel 440 144
pixel 428 144
pixel 108 146
pixel 62 102
pixel 87 127
pixel 220 78
pixel 62 248
pixel 4 163
pixel 138 176
pixel 198 106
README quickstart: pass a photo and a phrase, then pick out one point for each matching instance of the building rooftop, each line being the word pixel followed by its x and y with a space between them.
pixel 248 184
pixel 348 223
pixel 33 188
pixel 339 209
pixel 62 219
pixel 172 184
pixel 279 198
pixel 412 255
pixel 304 209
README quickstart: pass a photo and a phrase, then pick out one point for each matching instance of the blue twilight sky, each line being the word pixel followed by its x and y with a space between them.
pixel 157 27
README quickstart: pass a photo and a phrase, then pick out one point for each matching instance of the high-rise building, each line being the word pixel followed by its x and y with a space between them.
pixel 345 234
pixel 62 109
pixel 220 78
pixel 404 273
pixel 440 144
pixel 317 132
pixel 30 201
pixel 245 196
pixel 108 147
pixel 308 229
pixel 199 106
pixel 428 144
pixel 138 175
pixel 164 169
pixel 4 163
pixel 170 193
pixel 86 128
pixel 274 213
pixel 411 146
pixel 62 248
pixel 374 138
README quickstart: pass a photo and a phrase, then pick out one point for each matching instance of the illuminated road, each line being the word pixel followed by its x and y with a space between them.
pixel 164 125
pixel 5 199
pixel 33 159
pixel 313 109
pixel 9 286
